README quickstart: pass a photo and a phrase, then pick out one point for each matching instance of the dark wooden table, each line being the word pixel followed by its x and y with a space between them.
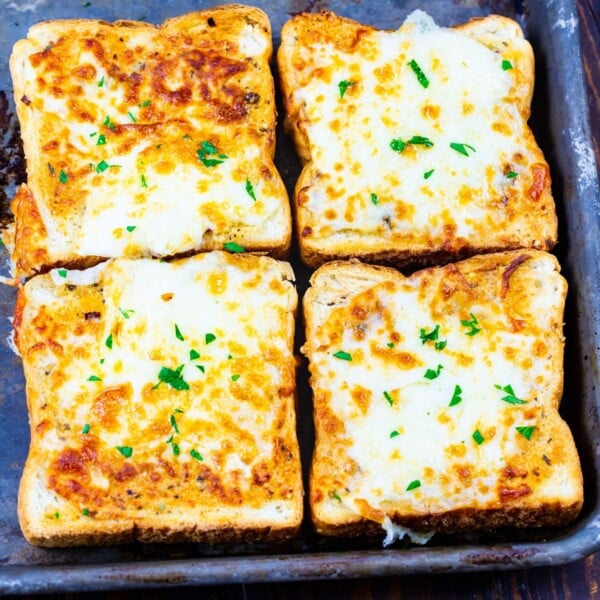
pixel 577 581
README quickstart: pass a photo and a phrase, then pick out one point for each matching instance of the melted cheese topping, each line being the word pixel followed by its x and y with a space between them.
pixel 145 141
pixel 187 367
pixel 417 140
pixel 426 387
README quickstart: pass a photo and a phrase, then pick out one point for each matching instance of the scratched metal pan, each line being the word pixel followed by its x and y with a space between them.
pixel 561 124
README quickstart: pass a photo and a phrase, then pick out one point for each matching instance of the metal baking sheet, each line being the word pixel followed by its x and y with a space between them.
pixel 560 122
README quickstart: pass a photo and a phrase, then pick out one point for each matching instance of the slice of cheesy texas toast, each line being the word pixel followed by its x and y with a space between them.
pixel 161 402
pixel 415 142
pixel 436 397
pixel 147 141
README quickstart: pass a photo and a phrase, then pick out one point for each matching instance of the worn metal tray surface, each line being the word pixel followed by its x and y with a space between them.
pixel 560 122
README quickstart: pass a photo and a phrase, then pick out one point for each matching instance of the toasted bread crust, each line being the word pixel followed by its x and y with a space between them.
pixel 538 481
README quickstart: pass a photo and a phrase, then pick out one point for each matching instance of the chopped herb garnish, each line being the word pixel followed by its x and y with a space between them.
pixel 511 175
pixel 126 313
pixel 209 337
pixel 233 247
pixel 413 485
pixel 130 228
pixel 63 177
pixel 173 378
pixel 421 77
pixel 344 85
pixel 389 398
pixel 195 454
pixel 462 148
pixel 132 117
pixel 456 396
pixel 178 333
pixel 57 515
pixel 398 145
pixel 85 512
pixel 126 451
pixel 200 368
pixel 478 437
pixel 394 434
pixel 433 374
pixel 108 123
pixel 94 378
pixel 207 150
pixel 510 397
pixel 374 199
pixel 343 355
pixel 471 325
pixel 175 448
pixel 429 336
pixel 143 181
pixel 235 377
pixel 194 354
pixel 250 190
pixel 62 273
pixel 526 432
pixel 101 140
pixel 109 341
pixel 102 166
pixel 428 174
pixel 173 423
pixel 101 361
pixel 86 429
pixel 336 496
pixel 506 65
pixel 390 344
pixel 144 104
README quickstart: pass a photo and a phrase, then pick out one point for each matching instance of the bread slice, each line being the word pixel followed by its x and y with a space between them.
pixel 147 141
pixel 436 397
pixel 415 142
pixel 161 402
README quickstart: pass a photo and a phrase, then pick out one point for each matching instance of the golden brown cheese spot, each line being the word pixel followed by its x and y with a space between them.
pixel 431 111
pixel 541 180
pixel 404 211
pixel 467 108
pixel 456 450
pixel 367 511
pixel 362 398
pixel 501 127
pixel 217 283
pixel 107 406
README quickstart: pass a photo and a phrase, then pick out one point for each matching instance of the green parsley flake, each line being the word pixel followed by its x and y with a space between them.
pixel 250 190
pixel 102 166
pixel 421 77
pixel 506 65
pixel 200 368
pixel 207 153
pixel 101 82
pixel 235 377
pixel 398 145
pixel 195 454
pixel 172 378
pixel 526 432
pixel 86 429
pixel 63 177
pixel 394 434
pixel 62 273
pixel 178 333
pixel 126 451
pixel 456 396
pixel 342 355
pixel 108 123
pixel 175 448
pixel 389 398
pixel 471 325
pixel 109 341
pixel 432 336
pixel 131 116
pixel 101 141
pixel 143 181
pixel 94 378
pixel 209 337
pixel 233 247
pixel 173 423
pixel 413 485
pixel 433 374
pixel 130 228
pixel 144 104
pixel 344 85
pixel 478 437
pixel 390 344
pixel 462 148
pixel 511 175
pixel 428 174
pixel 194 354
pixel 126 313
pixel 335 496
pixel 85 512
pixel 374 199
pixel 510 397
pixel 57 515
